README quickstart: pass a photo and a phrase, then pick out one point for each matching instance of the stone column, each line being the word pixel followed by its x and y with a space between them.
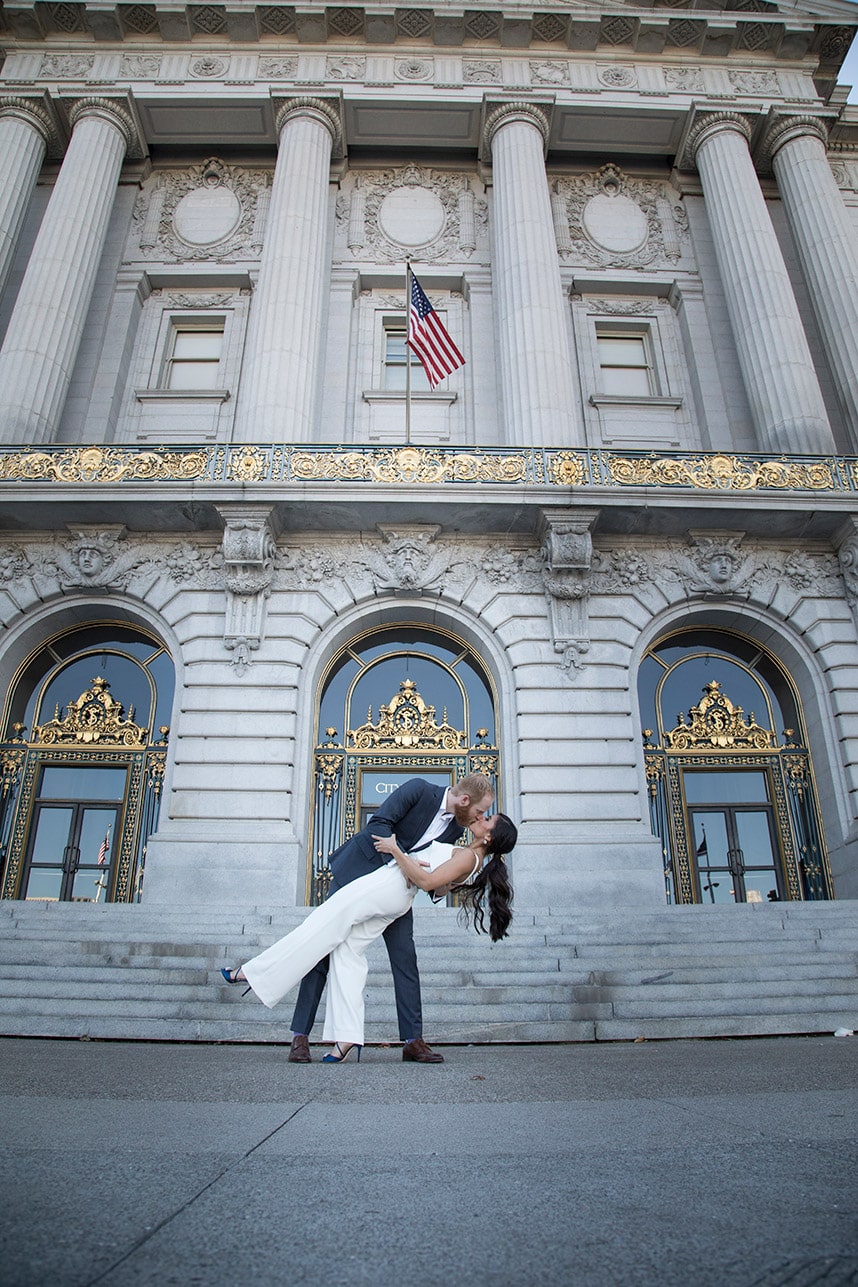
pixel 783 390
pixel 25 131
pixel 46 326
pixel 826 242
pixel 534 356
pixel 280 383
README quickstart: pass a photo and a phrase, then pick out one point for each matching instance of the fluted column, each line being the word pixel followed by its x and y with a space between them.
pixel 280 384
pixel 46 326
pixel 780 380
pixel 534 353
pixel 827 245
pixel 25 130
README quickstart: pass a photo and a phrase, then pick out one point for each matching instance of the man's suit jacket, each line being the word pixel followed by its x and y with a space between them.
pixel 406 814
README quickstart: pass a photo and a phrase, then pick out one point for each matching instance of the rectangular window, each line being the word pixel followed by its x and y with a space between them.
pixel 624 364
pixel 194 358
pixel 397 356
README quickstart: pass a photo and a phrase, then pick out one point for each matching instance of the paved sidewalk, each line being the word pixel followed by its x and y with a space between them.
pixel 687 1163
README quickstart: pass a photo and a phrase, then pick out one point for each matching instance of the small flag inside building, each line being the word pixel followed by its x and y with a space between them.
pixel 104 847
pixel 428 338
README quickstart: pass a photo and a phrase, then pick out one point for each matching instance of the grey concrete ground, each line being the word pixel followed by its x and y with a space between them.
pixel 689 1162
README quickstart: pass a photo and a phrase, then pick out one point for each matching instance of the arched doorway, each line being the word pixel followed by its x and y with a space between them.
pixel 731 788
pixel 83 758
pixel 395 703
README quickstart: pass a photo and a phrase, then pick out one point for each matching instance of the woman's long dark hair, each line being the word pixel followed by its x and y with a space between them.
pixel 492 881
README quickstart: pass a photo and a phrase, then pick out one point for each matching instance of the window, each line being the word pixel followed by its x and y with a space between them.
pixel 731 784
pixel 194 358
pixel 397 358
pixel 624 364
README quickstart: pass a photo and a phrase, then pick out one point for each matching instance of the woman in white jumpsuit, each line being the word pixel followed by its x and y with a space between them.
pixel 355 915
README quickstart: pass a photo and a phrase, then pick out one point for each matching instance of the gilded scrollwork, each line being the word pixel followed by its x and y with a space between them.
pixel 103 465
pixel 717 722
pixel 408 465
pixel 407 723
pixel 567 469
pixel 721 473
pixel 95 718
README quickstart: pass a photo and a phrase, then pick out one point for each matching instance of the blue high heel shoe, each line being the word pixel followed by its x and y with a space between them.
pixel 231 976
pixel 343 1054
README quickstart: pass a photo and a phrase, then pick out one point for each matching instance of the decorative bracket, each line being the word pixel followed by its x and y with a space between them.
pixel 567 558
pixel 847 554
pixel 249 550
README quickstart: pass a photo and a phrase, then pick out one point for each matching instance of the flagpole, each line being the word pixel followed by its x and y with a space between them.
pixel 407 352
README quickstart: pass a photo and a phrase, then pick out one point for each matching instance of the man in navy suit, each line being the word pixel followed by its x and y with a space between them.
pixel 417 813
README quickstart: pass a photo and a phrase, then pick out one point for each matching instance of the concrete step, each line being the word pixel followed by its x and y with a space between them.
pixel 147 973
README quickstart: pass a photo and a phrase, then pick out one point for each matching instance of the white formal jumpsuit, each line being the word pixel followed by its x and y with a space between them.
pixel 342 927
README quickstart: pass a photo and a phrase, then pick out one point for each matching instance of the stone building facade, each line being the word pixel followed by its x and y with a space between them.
pixel 612 561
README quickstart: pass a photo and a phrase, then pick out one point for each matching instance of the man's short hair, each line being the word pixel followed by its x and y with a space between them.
pixel 475 785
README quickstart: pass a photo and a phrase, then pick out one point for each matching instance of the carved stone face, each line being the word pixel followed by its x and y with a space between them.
pixel 90 560
pixel 721 567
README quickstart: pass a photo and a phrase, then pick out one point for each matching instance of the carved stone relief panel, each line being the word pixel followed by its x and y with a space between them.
pixel 210 212
pixel 718 565
pixel 104 557
pixel 609 220
pixel 382 215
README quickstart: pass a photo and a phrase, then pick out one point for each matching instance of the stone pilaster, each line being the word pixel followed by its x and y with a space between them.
pixel 540 405
pixel 783 390
pixel 280 385
pixel 45 329
pixel 25 131
pixel 826 244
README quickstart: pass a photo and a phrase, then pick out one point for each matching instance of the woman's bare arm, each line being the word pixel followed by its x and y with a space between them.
pixel 459 865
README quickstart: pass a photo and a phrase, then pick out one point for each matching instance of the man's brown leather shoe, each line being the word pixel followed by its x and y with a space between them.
pixel 300 1052
pixel 417 1052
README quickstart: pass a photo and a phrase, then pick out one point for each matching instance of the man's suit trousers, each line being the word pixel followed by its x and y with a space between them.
pixel 342 927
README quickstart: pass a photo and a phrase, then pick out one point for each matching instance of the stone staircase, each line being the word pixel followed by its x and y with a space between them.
pixel 132 972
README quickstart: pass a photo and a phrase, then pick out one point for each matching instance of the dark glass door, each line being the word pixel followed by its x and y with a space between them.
pixel 74 834
pixel 732 821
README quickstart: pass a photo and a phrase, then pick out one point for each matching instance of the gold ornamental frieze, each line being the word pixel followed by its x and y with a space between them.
pixel 717 723
pixel 407 723
pixel 103 465
pixel 408 465
pixel 93 719
pixel 285 463
pixel 722 473
pixel 567 469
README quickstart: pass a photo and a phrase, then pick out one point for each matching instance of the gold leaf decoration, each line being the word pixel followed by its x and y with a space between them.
pixel 721 473
pixel 716 722
pixel 407 723
pixel 103 465
pixel 94 719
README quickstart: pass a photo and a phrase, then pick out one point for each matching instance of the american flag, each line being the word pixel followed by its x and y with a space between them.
pixel 429 339
pixel 104 848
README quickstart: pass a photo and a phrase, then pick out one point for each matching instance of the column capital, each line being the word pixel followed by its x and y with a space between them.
pixel 703 124
pixel 34 113
pixel 531 113
pixel 319 109
pixel 782 128
pixel 117 112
